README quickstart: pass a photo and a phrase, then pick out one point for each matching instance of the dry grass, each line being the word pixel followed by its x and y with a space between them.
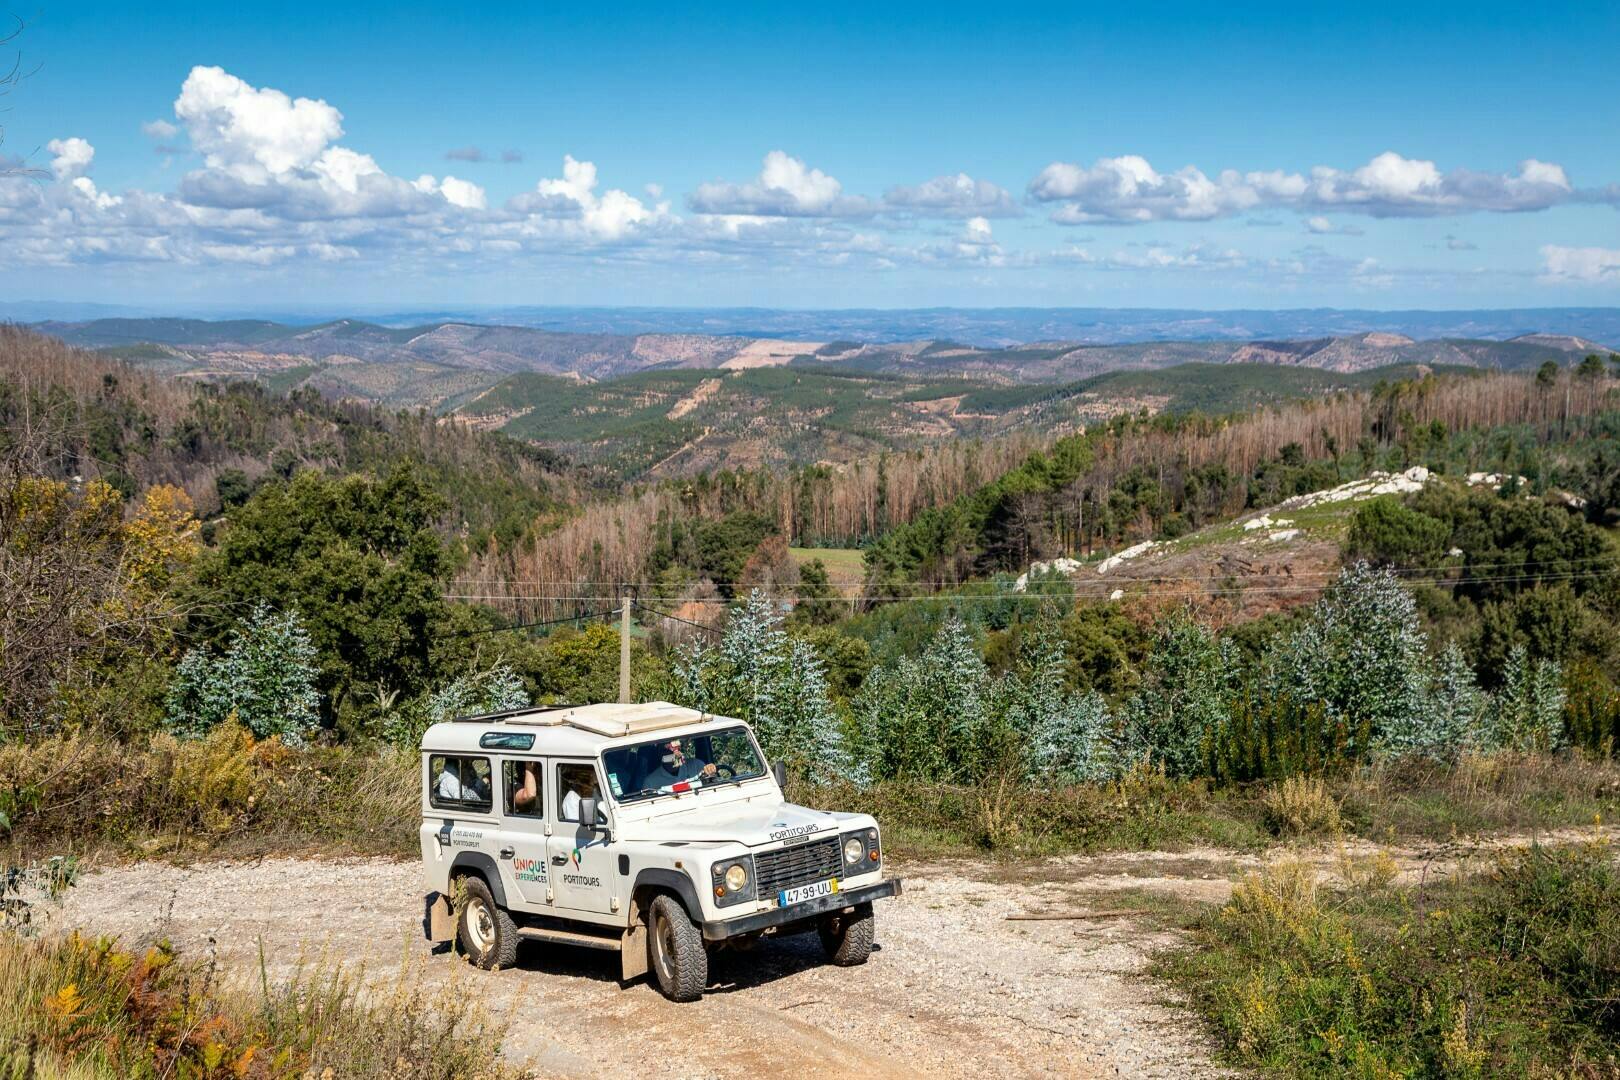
pixel 1302 806
pixel 81 1008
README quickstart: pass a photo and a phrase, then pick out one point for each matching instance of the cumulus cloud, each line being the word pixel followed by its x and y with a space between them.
pixel 253 133
pixel 1128 190
pixel 1322 226
pixel 954 196
pixel 463 193
pixel 785 187
pixel 70 157
pixel 159 129
pixel 1584 264
pixel 609 216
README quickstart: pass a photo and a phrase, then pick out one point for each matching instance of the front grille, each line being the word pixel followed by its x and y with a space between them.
pixel 801 865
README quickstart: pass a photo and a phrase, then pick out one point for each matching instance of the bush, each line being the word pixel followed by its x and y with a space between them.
pixel 76 1007
pixel 1302 806
pixel 1384 530
pixel 1505 971
pixel 265 679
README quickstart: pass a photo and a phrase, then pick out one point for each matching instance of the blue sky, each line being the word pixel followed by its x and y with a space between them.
pixel 805 156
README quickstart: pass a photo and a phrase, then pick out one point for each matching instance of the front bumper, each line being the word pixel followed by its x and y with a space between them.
pixel 721 929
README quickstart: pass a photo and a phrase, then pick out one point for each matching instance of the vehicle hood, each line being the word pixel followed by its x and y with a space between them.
pixel 751 822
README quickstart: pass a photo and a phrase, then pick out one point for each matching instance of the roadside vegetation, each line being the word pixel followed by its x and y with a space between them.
pixel 75 1007
pixel 1506 967
pixel 204 653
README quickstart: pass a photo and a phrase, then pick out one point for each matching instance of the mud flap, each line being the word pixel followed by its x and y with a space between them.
pixel 439 923
pixel 633 952
pixel 633 946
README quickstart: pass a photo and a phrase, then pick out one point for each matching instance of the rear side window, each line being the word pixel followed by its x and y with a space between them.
pixel 523 789
pixel 459 783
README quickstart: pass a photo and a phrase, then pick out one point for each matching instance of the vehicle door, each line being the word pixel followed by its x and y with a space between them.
pixel 522 843
pixel 581 864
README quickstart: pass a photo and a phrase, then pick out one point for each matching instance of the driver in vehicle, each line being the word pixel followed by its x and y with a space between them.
pixel 581 788
pixel 675 766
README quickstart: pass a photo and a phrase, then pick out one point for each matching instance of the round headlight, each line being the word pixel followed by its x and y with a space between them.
pixel 736 878
pixel 854 850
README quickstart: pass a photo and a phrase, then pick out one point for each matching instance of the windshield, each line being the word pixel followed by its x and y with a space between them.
pixel 685 763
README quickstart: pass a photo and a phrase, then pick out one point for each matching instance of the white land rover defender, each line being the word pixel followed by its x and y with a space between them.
pixel 652 830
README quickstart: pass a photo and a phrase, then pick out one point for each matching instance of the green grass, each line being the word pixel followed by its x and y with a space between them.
pixel 843 564
pixel 1508 968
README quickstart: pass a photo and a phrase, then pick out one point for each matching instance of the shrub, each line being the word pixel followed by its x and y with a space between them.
pixel 72 1006
pixel 1302 806
pixel 1385 530
pixel 1183 700
pixel 468 694
pixel 1508 970
pixel 265 679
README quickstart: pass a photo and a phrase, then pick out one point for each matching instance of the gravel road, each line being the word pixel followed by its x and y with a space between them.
pixel 955 989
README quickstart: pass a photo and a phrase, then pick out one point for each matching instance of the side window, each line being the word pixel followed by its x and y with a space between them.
pixel 521 782
pixel 459 783
pixel 576 781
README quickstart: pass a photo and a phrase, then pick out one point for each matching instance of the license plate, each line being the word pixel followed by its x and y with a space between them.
pixel 807 892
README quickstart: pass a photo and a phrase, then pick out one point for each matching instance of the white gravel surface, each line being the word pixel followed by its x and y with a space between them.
pixel 955 989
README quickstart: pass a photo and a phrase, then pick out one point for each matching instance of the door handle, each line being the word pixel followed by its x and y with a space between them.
pixel 559 860
pixel 506 853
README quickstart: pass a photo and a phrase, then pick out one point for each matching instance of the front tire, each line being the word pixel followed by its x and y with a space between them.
pixel 675 950
pixel 487 933
pixel 848 938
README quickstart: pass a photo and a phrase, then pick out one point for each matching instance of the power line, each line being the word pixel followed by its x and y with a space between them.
pixel 529 625
pixel 675 618
pixel 1607 557
pixel 1091 587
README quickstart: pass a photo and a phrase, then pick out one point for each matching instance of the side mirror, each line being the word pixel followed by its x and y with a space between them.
pixel 779 771
pixel 589 811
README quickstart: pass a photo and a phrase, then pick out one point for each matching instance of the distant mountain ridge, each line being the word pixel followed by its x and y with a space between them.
pixel 447 351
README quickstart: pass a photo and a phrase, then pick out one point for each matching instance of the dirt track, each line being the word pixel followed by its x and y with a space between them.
pixel 955 989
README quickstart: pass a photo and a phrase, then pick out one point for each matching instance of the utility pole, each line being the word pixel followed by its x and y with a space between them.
pixel 624 651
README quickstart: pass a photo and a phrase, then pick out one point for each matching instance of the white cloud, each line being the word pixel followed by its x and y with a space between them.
pixel 463 193
pixel 609 216
pixel 253 133
pixel 954 196
pixel 785 187
pixel 1589 264
pixel 159 129
pixel 1319 224
pixel 70 157
pixel 978 229
pixel 1128 190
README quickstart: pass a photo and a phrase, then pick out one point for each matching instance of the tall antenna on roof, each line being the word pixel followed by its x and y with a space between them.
pixel 624 651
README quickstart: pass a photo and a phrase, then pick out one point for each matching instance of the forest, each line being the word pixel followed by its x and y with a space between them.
pixel 229 614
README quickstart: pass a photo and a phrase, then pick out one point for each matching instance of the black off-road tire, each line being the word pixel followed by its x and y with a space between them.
pixel 486 931
pixel 848 938
pixel 676 955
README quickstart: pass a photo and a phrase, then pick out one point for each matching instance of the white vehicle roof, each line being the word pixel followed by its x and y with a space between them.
pixel 568 729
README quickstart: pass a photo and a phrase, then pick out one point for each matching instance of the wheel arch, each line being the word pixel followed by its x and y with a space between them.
pixel 657 880
pixel 476 862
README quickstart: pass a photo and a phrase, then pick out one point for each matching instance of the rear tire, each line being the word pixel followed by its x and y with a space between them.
pixel 848 938
pixel 675 950
pixel 487 933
